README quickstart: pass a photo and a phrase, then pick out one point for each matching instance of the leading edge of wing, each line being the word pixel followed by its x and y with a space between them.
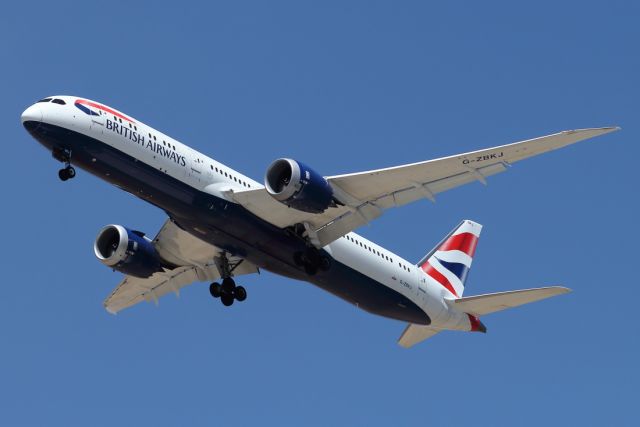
pixel 566 137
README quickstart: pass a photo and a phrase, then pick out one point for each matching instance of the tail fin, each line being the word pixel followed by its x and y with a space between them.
pixel 449 262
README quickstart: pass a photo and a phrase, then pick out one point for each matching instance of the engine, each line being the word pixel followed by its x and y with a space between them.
pixel 127 251
pixel 298 186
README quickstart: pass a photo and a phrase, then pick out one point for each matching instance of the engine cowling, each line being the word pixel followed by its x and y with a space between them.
pixel 298 186
pixel 127 251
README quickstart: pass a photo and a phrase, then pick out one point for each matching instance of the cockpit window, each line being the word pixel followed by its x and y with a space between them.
pixel 59 101
pixel 44 100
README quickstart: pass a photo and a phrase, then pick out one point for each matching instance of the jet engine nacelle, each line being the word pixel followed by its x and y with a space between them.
pixel 127 251
pixel 298 186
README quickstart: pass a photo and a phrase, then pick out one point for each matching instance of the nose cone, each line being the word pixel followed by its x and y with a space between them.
pixel 31 117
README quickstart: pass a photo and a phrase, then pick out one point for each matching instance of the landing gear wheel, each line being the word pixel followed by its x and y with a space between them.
pixel 226 299
pixel 66 173
pixel 240 293
pixel 215 290
pixel 228 285
pixel 312 260
pixel 311 270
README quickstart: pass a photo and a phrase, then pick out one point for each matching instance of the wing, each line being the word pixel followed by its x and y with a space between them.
pixel 413 334
pixel 479 305
pixel 195 261
pixel 365 195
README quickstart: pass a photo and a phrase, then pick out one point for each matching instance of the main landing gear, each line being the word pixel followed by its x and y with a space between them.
pixel 312 260
pixel 64 155
pixel 227 291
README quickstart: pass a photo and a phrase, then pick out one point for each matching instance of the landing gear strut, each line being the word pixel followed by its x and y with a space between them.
pixel 227 291
pixel 64 155
pixel 312 260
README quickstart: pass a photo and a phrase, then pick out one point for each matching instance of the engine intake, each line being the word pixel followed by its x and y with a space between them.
pixel 298 186
pixel 127 251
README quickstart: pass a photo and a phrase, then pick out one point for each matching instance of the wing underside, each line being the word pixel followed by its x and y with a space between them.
pixel 194 259
pixel 414 334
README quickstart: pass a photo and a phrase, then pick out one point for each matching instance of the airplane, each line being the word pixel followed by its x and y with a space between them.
pixel 300 224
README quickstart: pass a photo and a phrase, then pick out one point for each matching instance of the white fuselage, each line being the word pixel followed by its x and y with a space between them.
pixel 171 157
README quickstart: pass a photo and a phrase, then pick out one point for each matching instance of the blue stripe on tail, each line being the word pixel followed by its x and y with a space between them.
pixel 460 270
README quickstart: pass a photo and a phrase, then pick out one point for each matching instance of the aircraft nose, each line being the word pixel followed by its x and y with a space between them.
pixel 31 117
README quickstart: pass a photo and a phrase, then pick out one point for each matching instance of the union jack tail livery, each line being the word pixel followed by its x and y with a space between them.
pixel 449 262
pixel 446 268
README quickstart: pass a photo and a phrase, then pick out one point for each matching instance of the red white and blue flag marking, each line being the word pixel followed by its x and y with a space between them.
pixel 449 265
pixel 93 109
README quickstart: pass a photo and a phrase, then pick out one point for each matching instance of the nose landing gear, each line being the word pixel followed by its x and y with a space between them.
pixel 64 155
pixel 66 173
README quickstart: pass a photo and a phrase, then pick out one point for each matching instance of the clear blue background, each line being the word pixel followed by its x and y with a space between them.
pixel 343 86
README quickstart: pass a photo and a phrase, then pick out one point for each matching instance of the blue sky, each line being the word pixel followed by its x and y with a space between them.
pixel 342 86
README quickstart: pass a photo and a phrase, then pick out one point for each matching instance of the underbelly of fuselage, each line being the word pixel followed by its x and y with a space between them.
pixel 226 225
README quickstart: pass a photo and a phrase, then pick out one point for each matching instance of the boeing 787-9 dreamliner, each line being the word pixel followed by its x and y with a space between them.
pixel 222 224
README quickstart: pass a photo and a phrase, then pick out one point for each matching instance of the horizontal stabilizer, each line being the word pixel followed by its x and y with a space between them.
pixel 414 334
pixel 489 303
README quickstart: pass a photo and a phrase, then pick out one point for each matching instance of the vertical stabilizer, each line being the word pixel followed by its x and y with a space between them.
pixel 449 262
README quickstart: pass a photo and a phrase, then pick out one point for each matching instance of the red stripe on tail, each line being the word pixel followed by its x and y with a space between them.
pixel 437 276
pixel 464 242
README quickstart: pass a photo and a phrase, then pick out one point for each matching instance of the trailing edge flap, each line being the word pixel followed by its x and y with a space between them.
pixel 489 303
pixel 414 334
